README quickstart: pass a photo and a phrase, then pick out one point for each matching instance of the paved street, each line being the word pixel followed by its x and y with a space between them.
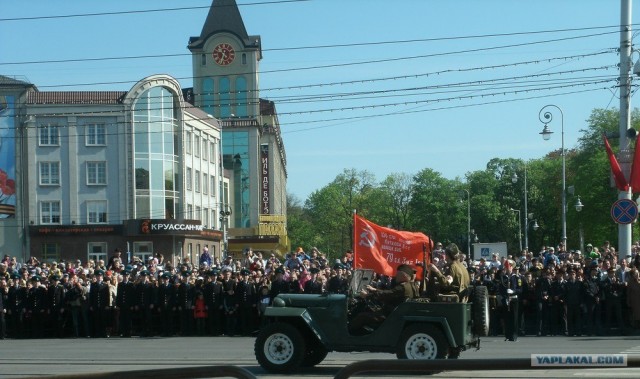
pixel 36 358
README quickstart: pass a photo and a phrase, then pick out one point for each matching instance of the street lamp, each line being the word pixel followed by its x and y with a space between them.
pixel 224 219
pixel 546 135
pixel 519 227
pixel 579 207
pixel 514 180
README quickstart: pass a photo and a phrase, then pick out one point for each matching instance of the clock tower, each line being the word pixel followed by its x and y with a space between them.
pixel 225 64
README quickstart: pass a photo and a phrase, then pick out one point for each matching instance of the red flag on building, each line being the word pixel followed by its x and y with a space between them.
pixel 384 249
pixel 618 176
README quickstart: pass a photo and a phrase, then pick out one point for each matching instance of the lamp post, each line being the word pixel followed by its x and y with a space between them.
pixel 546 135
pixel 514 180
pixel 579 207
pixel 468 223
pixel 224 219
pixel 519 226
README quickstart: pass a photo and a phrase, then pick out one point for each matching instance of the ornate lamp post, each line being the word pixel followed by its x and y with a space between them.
pixel 514 180
pixel 224 220
pixel 546 117
pixel 519 227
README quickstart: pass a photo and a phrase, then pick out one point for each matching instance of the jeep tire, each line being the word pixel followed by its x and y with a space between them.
pixel 280 348
pixel 422 341
pixel 480 311
pixel 316 353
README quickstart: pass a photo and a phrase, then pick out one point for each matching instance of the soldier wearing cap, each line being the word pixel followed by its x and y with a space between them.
pixel 213 300
pixel 99 304
pixel 16 299
pixel 229 302
pixel 313 285
pixel 36 307
pixel 338 283
pixel 184 302
pixel 144 304
pixel 125 302
pixel 4 291
pixel 279 285
pixel 166 304
pixel 55 305
pixel 389 299
pixel 247 301
pixel 459 274
pixel 573 301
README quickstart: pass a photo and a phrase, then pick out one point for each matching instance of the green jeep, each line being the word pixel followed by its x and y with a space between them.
pixel 302 329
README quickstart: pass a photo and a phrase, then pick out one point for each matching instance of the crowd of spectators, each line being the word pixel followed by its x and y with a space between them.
pixel 560 292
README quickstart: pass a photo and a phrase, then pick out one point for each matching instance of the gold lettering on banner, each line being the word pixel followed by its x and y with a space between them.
pixel 266 201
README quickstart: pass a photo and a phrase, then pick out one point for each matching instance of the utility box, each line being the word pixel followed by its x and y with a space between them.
pixel 487 249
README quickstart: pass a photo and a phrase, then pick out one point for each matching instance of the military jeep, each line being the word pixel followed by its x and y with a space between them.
pixel 302 329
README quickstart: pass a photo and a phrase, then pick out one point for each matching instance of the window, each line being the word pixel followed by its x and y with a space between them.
pixel 188 178
pixel 50 252
pixel 196 146
pixel 198 215
pixel 187 143
pixel 50 212
pixel 203 59
pixel 196 182
pixel 205 217
pixel 95 135
pixel 49 173
pixel 96 173
pixel 189 212
pixel 244 58
pixel 205 183
pixel 205 153
pixel 97 212
pixel 213 219
pixel 143 250
pixel 49 135
pixel 213 185
pixel 97 251
pixel 212 152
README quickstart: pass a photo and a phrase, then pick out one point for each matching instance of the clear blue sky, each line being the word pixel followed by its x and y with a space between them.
pixel 439 121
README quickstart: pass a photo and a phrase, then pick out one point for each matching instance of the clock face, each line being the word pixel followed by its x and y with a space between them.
pixel 223 54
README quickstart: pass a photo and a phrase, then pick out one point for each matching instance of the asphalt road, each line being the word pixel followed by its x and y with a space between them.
pixel 47 357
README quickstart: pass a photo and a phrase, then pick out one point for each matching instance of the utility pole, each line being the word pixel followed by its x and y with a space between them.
pixel 624 230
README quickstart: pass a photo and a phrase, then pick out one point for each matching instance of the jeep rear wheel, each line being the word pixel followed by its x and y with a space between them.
pixel 422 342
pixel 480 309
pixel 280 347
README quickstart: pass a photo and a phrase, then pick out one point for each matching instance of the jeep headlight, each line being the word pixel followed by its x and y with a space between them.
pixel 278 302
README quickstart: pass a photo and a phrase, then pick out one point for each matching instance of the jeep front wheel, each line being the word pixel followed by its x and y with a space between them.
pixel 422 342
pixel 280 347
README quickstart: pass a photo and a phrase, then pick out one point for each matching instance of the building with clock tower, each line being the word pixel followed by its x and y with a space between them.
pixel 225 61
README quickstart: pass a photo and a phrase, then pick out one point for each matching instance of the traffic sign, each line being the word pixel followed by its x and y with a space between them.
pixel 624 211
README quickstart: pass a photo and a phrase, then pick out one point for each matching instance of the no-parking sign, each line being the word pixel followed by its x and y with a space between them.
pixel 624 211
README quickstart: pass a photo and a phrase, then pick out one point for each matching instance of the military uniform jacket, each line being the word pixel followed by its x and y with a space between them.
pixel 337 285
pixel 55 297
pixel 144 295
pixel 573 292
pixel 312 286
pixel 557 289
pixel 185 296
pixel 126 295
pixel 99 295
pixel 543 288
pixel 213 294
pixel 16 299
pixel 591 290
pixel 166 296
pixel 230 300
pixel 245 294
pixel 612 289
pixel 395 296
pixel 278 287
pixel 36 299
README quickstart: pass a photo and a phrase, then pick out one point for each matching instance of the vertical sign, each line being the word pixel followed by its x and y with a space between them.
pixel 264 182
pixel 7 157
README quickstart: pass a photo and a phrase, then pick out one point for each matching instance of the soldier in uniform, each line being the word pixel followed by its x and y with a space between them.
pixel 338 283
pixel 213 299
pixel 573 301
pixel 313 285
pixel 99 304
pixel 55 302
pixel 279 285
pixel 185 304
pixel 543 302
pixel 509 286
pixel 613 291
pixel 125 302
pixel 166 304
pixel 16 298
pixel 4 294
pixel 558 311
pixel 36 306
pixel 592 296
pixel 145 303
pixel 230 302
pixel 247 302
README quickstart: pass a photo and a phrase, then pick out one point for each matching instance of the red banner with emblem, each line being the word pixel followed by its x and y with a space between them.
pixel 384 249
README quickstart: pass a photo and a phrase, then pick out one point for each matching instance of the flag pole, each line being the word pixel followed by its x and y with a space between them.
pixel 423 283
pixel 353 239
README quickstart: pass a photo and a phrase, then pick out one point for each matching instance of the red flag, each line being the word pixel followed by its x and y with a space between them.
pixel 634 180
pixel 384 249
pixel 618 176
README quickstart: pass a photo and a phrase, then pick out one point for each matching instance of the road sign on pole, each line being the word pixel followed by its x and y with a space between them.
pixel 624 211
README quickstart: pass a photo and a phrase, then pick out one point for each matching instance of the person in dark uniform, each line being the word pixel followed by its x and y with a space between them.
pixel 230 302
pixel 213 299
pixel 338 283
pixel 4 295
pixel 166 304
pixel 56 305
pixel 125 302
pixel 16 299
pixel 543 301
pixel 279 285
pixel 592 294
pixel 460 279
pixel 573 301
pixel 144 304
pixel 247 303
pixel 99 304
pixel 75 298
pixel 508 301
pixel 184 302
pixel 404 289
pixel 36 307
pixel 312 285
pixel 558 321
pixel 613 291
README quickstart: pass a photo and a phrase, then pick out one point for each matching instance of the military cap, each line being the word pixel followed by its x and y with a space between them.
pixel 279 270
pixel 35 278
pixel 144 273
pixel 337 266
pixel 15 275
pixel 54 277
pixel 98 272
pixel 166 275
pixel 244 271
pixel 215 272
pixel 406 269
pixel 314 270
pixel 185 273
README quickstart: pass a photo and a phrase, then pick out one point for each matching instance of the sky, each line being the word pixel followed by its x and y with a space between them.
pixel 383 86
